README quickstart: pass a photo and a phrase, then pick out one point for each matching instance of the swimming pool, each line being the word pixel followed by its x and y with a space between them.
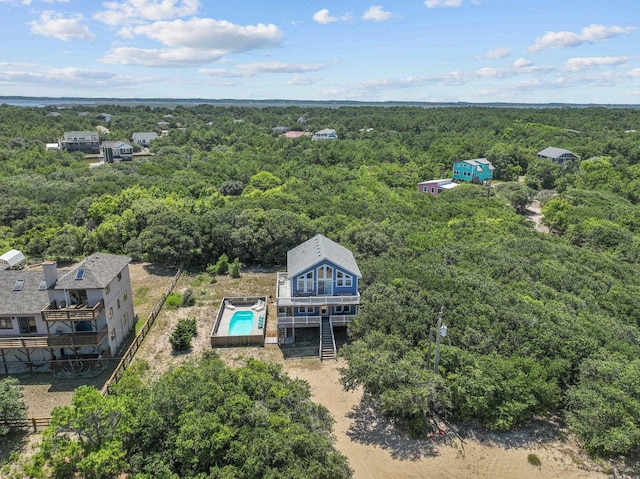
pixel 241 323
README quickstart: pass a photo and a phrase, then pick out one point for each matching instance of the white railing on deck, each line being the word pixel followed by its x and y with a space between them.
pixel 298 320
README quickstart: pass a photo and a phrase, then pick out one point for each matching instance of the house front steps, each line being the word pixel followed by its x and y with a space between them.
pixel 327 340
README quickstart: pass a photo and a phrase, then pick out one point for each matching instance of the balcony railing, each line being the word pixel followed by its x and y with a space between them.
pixel 77 339
pixel 298 321
pixel 318 300
pixel 77 312
pixel 19 342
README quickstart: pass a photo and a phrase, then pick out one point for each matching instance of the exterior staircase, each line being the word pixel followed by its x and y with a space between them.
pixel 327 340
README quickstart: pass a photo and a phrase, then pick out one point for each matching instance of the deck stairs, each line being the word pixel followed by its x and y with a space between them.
pixel 327 340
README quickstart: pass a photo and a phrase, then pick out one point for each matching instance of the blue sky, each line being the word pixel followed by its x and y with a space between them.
pixel 529 51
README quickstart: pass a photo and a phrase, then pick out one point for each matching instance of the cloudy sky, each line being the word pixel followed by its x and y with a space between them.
pixel 408 50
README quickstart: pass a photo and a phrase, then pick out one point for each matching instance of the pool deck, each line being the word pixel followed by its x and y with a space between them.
pixel 220 333
pixel 227 314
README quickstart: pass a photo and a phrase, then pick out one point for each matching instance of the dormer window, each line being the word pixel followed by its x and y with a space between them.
pixel 80 274
pixel 19 284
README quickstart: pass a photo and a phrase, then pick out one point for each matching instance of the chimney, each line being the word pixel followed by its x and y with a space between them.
pixel 50 273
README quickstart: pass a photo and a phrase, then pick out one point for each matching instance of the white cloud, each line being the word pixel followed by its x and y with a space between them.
pixel 253 69
pixel 299 80
pixel 207 33
pixel 590 34
pixel 137 11
pixel 522 63
pixel 57 76
pixel 171 57
pixel 582 63
pixel 442 3
pixel 377 14
pixel 197 41
pixel 55 25
pixel 323 17
pixel 497 53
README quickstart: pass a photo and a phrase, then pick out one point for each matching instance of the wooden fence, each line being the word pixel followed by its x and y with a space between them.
pixel 41 422
pixel 137 341
pixel 33 422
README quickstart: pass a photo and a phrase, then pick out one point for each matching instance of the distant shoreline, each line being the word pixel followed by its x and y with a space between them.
pixel 62 102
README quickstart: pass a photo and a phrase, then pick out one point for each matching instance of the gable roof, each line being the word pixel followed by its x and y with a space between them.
pixel 319 249
pixel 553 152
pixel 144 136
pixel 99 271
pixel 480 162
pixel 30 299
pixel 115 144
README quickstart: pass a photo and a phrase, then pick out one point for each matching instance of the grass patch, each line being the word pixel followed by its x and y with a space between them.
pixel 140 295
pixel 534 460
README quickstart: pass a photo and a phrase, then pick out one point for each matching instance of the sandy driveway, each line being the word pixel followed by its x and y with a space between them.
pixel 377 450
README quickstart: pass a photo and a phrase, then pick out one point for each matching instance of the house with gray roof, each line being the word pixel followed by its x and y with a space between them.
pixel 319 290
pixel 68 321
pixel 558 155
pixel 83 141
pixel 112 151
pixel 326 134
pixel 144 138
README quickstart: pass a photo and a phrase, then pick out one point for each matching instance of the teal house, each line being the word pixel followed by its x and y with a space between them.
pixel 473 171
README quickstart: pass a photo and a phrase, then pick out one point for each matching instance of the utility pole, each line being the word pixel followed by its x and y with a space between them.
pixel 440 331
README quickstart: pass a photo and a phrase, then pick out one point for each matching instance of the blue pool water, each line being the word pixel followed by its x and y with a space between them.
pixel 241 323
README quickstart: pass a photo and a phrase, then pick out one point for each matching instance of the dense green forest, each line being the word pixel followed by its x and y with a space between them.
pixel 538 324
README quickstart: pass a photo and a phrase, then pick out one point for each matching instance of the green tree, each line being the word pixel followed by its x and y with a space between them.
pixel 12 407
pixel 87 437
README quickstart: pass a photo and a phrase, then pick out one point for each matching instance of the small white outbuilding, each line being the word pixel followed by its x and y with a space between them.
pixel 12 259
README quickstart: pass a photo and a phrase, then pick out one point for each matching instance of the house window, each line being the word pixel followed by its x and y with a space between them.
pixel 27 325
pixel 118 303
pixel 125 296
pixel 5 323
pixel 456 172
pixel 343 279
pixel 325 280
pixel 113 334
pixel 306 310
pixel 107 290
pixel 111 312
pixel 433 190
pixel 424 189
pixel 305 282
pixel 119 276
pixel 342 309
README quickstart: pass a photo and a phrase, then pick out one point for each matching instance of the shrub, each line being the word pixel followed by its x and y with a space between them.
pixel 188 298
pixel 182 334
pixel 534 460
pixel 173 301
pixel 222 265
pixel 234 268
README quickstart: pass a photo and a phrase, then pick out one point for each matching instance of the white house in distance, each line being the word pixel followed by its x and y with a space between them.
pixel 112 151
pixel 326 134
pixel 144 138
pixel 319 290
pixel 51 320
pixel 435 187
pixel 558 155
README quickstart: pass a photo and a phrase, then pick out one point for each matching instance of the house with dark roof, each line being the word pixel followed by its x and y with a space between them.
pixel 65 321
pixel 83 141
pixel 558 155
pixel 319 290
pixel 473 171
